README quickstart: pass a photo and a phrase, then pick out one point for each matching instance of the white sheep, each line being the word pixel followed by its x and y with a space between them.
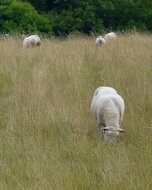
pixel 31 41
pixel 108 107
pixel 109 36
pixel 100 40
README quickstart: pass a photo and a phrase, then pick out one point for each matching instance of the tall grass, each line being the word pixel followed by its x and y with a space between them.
pixel 48 137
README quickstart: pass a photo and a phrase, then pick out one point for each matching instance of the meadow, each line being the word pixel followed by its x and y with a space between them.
pixel 48 137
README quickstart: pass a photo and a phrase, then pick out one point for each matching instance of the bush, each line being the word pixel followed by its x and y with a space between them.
pixel 21 17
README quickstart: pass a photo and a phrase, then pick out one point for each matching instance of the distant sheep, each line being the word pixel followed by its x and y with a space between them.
pixel 31 41
pixel 111 35
pixel 4 36
pixel 108 107
pixel 100 40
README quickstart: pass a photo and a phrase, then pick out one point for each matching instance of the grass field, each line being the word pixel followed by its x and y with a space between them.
pixel 48 138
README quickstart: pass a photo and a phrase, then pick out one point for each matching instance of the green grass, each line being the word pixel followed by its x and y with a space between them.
pixel 48 137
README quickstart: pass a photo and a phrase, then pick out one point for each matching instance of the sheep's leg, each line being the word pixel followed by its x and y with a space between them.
pixel 101 129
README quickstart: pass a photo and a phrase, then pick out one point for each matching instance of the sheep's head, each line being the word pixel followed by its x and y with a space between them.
pixel 100 40
pixel 111 133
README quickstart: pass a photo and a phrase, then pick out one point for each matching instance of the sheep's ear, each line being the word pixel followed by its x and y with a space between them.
pixel 121 130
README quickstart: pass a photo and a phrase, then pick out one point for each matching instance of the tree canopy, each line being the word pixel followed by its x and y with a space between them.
pixel 61 17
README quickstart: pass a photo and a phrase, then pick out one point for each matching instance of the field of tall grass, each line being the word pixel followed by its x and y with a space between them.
pixel 48 137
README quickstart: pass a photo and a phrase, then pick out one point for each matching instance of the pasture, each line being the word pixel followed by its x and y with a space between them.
pixel 48 137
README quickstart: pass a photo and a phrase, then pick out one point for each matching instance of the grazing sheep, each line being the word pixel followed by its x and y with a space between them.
pixel 31 41
pixel 108 107
pixel 109 36
pixel 100 40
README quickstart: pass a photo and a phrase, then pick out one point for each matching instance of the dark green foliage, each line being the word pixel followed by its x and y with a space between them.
pixel 126 14
pixel 21 17
pixel 65 16
pixel 69 16
pixel 3 7
pixel 40 5
pixel 5 2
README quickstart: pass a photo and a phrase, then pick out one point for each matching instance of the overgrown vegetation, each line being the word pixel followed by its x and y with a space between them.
pixel 48 137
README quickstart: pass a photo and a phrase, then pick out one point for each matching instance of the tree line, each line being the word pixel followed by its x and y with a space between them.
pixel 62 17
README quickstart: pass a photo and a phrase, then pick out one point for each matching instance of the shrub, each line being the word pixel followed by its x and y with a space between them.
pixel 21 17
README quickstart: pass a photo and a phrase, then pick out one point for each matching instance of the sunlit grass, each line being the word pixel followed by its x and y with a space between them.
pixel 48 137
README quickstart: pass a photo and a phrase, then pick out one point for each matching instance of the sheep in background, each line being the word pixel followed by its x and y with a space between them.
pixel 31 41
pixel 4 36
pixel 108 107
pixel 100 40
pixel 111 35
